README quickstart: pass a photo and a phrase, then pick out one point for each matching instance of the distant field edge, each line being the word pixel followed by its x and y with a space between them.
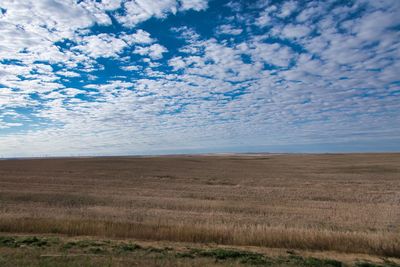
pixel 184 155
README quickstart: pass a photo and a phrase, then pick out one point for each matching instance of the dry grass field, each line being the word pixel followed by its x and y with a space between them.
pixel 344 202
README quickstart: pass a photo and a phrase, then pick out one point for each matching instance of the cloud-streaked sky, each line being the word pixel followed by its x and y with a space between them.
pixel 122 77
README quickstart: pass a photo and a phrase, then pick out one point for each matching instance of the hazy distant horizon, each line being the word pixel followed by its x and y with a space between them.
pixel 305 149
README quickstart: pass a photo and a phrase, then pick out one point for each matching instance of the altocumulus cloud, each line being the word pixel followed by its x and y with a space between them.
pixel 138 76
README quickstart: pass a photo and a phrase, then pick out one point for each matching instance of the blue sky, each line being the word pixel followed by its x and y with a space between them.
pixel 118 77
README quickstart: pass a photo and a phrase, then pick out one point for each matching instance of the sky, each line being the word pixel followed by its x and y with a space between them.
pixel 127 77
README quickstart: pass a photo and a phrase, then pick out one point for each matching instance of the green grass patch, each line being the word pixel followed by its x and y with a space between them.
pixel 244 257
pixel 15 242
pixel 369 264
pixel 127 247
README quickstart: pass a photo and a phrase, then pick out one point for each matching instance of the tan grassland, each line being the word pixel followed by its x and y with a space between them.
pixel 341 202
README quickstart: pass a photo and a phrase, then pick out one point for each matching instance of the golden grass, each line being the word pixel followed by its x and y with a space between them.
pixel 347 203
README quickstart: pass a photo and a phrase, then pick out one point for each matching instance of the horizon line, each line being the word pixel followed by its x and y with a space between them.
pixel 255 154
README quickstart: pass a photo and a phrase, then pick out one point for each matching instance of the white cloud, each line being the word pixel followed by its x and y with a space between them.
pixel 68 73
pixel 295 31
pixel 154 51
pixel 197 5
pixel 311 11
pixel 177 63
pixel 265 17
pixel 139 37
pixel 137 11
pixel 62 18
pixel 140 10
pixel 372 26
pixel 10 98
pixel 229 30
pixel 130 68
pixel 263 20
pixel 101 45
pixel 287 9
pixel 273 54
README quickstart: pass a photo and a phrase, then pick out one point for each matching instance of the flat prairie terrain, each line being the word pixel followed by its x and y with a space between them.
pixel 347 203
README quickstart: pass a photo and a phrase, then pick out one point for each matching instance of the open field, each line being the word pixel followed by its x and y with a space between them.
pixel 345 203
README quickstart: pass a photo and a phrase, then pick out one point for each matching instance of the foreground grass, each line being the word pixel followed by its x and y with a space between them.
pixel 278 237
pixel 53 251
